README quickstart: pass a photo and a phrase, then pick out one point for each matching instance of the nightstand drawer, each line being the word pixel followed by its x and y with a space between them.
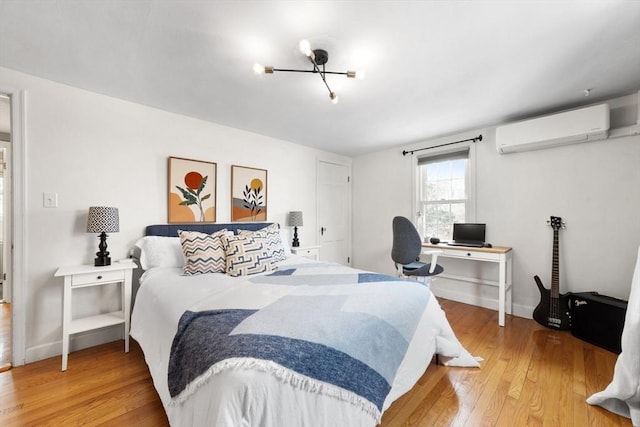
pixel 307 252
pixel 97 277
pixel 311 252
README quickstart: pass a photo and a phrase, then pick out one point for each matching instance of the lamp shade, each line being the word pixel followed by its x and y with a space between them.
pixel 295 219
pixel 103 219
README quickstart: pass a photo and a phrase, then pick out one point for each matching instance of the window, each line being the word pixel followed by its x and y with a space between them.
pixel 443 193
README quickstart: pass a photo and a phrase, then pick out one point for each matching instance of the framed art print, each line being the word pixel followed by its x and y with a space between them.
pixel 192 190
pixel 248 194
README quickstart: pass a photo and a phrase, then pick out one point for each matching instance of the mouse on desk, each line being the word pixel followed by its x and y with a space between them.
pixel 486 245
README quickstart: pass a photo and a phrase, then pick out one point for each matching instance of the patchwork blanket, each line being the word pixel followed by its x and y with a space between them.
pixel 329 330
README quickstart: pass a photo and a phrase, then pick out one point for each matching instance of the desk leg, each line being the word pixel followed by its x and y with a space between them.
pixel 502 286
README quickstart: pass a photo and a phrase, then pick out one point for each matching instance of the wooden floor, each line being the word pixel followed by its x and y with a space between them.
pixel 5 336
pixel 531 376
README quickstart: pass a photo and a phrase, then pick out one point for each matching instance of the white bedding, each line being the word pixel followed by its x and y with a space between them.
pixel 240 397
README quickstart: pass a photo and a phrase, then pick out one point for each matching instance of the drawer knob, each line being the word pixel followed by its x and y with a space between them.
pixel 99 277
pixel 468 254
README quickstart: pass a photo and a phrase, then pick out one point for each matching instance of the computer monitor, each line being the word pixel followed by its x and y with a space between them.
pixel 468 232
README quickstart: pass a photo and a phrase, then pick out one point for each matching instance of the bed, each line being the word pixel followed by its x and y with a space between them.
pixel 296 342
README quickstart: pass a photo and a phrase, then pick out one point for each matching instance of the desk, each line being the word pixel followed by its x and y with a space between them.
pixel 502 255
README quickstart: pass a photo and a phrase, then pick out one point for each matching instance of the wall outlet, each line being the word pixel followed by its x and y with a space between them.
pixel 50 200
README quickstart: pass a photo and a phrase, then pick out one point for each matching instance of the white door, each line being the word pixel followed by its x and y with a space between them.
pixel 334 212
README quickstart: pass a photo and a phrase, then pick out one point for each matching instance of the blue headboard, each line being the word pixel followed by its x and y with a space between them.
pixel 171 230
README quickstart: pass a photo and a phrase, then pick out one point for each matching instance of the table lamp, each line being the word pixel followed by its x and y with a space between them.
pixel 103 220
pixel 295 221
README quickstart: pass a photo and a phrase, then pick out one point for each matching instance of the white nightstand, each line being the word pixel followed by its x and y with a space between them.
pixel 311 252
pixel 83 276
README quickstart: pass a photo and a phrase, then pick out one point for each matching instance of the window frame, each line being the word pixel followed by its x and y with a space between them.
pixel 470 182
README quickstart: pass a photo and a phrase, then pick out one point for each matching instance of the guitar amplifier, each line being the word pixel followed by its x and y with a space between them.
pixel 598 319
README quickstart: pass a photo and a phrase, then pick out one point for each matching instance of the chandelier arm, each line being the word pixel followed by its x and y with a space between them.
pixel 344 73
pixel 324 80
pixel 291 70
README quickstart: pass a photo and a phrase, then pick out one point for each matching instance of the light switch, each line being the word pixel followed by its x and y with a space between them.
pixel 50 200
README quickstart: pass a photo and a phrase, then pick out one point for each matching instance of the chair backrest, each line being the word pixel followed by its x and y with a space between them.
pixel 407 244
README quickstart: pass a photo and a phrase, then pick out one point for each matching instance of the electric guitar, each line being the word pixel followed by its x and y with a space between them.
pixel 553 309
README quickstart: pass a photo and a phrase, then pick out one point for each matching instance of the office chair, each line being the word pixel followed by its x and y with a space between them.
pixel 406 250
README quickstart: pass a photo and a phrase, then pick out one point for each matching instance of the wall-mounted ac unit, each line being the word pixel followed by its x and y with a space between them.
pixel 571 127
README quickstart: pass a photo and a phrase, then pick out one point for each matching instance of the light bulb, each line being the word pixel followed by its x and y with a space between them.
pixel 258 69
pixel 262 69
pixel 334 98
pixel 305 47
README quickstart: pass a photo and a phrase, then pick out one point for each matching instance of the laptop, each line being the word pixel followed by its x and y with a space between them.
pixel 467 234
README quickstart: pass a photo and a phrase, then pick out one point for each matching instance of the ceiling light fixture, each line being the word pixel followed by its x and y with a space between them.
pixel 317 57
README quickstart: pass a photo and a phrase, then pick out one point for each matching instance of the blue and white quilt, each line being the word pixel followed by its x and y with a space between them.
pixel 308 344
pixel 337 332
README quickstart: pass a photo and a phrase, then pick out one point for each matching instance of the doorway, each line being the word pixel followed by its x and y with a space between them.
pixel 334 212
pixel 5 233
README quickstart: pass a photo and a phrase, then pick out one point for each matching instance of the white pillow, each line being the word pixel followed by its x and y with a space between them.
pixel 284 236
pixel 160 251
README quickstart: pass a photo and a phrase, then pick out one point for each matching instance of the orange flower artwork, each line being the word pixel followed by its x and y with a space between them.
pixel 192 191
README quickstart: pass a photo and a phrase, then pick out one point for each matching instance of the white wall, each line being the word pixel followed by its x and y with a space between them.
pixel 594 187
pixel 96 150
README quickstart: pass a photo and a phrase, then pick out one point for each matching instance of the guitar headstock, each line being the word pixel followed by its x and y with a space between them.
pixel 556 223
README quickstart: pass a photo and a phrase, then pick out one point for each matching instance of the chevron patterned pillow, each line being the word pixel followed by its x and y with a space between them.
pixel 270 237
pixel 203 252
pixel 246 255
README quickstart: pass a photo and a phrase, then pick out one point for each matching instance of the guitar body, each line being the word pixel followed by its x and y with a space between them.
pixel 550 312
pixel 553 309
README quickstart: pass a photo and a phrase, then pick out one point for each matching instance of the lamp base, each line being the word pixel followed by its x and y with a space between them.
pixel 102 256
pixel 295 242
pixel 102 261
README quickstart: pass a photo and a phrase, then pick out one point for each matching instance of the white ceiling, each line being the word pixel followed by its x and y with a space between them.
pixel 433 68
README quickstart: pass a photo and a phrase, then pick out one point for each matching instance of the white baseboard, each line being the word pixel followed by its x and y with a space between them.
pixel 76 342
pixel 480 301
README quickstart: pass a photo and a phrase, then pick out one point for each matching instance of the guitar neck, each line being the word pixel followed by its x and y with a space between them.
pixel 555 267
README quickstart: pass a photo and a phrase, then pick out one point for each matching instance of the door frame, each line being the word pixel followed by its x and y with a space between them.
pixel 7 220
pixel 16 266
pixel 349 204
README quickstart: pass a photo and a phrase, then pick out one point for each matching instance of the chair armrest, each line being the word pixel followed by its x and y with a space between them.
pixel 434 262
pixel 434 257
pixel 399 270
